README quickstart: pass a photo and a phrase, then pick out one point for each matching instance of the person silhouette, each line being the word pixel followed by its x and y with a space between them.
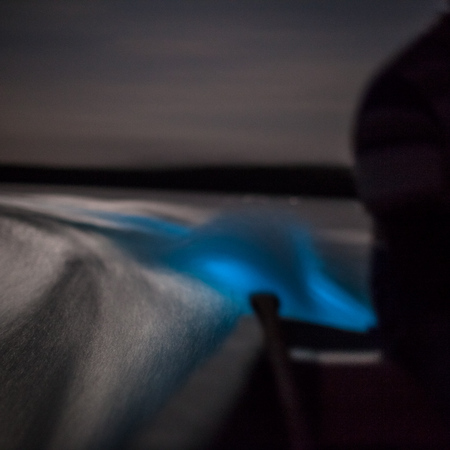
pixel 402 171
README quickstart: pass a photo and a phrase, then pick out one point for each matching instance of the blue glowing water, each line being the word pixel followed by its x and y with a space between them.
pixel 241 253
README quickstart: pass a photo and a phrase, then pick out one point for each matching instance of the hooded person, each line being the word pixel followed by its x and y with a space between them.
pixel 402 153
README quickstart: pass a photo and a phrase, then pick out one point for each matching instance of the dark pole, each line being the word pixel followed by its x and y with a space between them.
pixel 266 307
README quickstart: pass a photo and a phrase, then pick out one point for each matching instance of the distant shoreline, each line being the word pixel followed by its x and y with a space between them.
pixel 307 180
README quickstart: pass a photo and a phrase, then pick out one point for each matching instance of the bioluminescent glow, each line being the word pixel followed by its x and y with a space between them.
pixel 246 252
pixel 146 224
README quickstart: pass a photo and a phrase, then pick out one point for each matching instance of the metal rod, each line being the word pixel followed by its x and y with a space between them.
pixel 266 307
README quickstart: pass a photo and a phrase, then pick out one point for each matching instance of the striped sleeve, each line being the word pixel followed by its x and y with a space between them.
pixel 398 147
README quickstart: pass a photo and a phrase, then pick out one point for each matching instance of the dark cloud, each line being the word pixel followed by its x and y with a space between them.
pixel 235 81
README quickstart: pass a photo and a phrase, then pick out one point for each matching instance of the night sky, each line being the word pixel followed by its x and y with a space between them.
pixel 157 83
